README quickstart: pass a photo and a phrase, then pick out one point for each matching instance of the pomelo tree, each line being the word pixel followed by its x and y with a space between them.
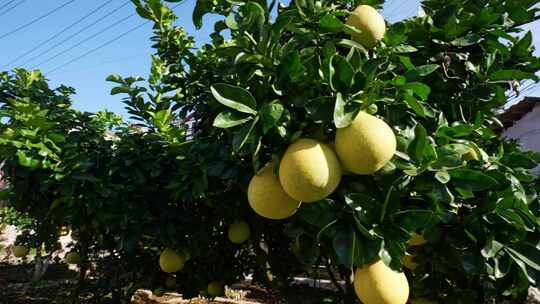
pixel 455 195
pixel 340 140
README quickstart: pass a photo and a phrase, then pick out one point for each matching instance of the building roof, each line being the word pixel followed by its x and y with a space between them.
pixel 516 112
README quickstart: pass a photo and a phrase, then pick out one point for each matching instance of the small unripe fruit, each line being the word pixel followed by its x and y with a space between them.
pixel 73 258
pixel 239 232
pixel 20 251
pixel 170 261
pixel 215 289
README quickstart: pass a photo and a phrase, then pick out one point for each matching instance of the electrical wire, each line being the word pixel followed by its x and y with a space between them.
pixel 46 51
pixel 7 4
pixel 104 44
pixel 84 40
pixel 11 8
pixel 392 14
pixel 36 19
pixel 65 29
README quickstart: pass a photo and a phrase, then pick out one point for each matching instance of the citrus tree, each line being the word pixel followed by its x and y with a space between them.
pixel 303 135
pixel 387 137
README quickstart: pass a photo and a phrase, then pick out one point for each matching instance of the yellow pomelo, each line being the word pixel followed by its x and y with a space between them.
pixel 378 284
pixel 267 198
pixel 408 261
pixel 215 289
pixel 370 22
pixel 170 261
pixel 309 171
pixel 366 145
pixel 20 251
pixel 416 240
pixel 73 258
pixel 239 232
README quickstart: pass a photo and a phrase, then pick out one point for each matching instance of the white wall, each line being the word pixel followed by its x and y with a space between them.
pixel 527 131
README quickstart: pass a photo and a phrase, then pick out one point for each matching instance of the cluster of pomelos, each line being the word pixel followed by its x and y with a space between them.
pixel 172 261
pixel 310 171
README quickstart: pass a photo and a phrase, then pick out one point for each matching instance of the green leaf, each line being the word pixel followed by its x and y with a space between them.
pixel 527 253
pixel 352 44
pixel 420 142
pixel 318 214
pixel 427 69
pixel 228 119
pixel 491 248
pixel 404 49
pixel 234 97
pixel 346 246
pixel 442 176
pixel 341 73
pixel 524 46
pixel 331 23
pixel 419 89
pixel 472 180
pixel 201 8
pixel 504 75
pixel 270 114
pixel 416 220
pixel 291 68
pixel 344 115
pixel 26 161
pixel 467 40
pixel 415 105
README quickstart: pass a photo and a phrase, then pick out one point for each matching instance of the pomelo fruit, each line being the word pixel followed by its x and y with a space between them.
pixel 239 232
pixel 215 289
pixel 366 145
pixel 309 170
pixel 170 261
pixel 267 198
pixel 20 251
pixel 378 284
pixel 366 19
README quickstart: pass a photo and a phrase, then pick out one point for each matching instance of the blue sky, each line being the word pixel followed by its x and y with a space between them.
pixel 128 56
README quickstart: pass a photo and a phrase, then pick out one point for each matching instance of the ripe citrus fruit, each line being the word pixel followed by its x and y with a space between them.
pixel 239 232
pixel 20 251
pixel 73 258
pixel 309 170
pixel 378 284
pixel 215 289
pixel 170 261
pixel 366 19
pixel 267 198
pixel 366 145
pixel 416 240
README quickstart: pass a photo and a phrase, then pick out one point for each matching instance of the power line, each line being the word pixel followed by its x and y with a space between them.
pixel 11 8
pixel 85 40
pixel 396 8
pixel 57 34
pixel 7 4
pixel 46 51
pixel 37 19
pixel 104 44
